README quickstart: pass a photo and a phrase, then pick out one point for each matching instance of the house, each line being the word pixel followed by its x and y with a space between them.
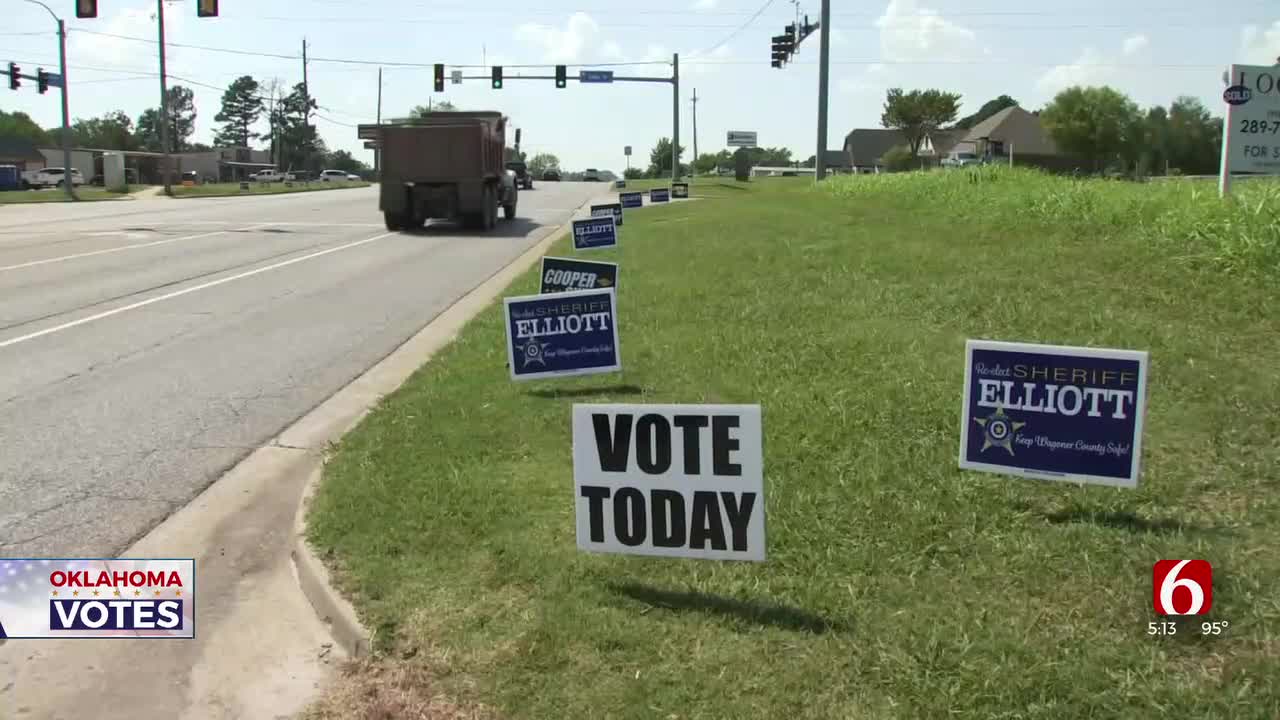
pixel 21 152
pixel 865 147
pixel 81 160
pixel 1012 131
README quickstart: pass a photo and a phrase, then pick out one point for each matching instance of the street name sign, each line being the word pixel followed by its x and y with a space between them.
pixel 595 76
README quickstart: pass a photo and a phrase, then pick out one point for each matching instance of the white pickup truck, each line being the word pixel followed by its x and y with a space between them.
pixel 268 176
pixel 50 177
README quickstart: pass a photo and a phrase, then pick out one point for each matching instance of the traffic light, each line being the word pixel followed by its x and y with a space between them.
pixel 14 82
pixel 807 29
pixel 207 8
pixel 86 9
pixel 562 79
pixel 497 77
pixel 42 80
pixel 439 77
pixel 783 46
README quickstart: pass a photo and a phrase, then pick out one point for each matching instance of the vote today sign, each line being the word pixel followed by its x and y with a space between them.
pixel 659 195
pixel 670 480
pixel 1053 412
pixel 562 334
pixel 595 233
pixel 631 199
pixel 679 190
pixel 614 209
pixel 566 274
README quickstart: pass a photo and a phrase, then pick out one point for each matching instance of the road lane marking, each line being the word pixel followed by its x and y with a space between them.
pixel 135 246
pixel 186 291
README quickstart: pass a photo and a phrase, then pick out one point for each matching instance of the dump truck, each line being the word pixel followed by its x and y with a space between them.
pixel 447 166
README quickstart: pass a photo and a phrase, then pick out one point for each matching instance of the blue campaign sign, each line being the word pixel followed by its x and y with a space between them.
pixel 595 76
pixel 631 199
pixel 595 233
pixel 1053 412
pixel 619 184
pixel 660 195
pixel 614 209
pixel 562 334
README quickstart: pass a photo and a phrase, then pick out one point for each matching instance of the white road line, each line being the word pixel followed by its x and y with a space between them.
pixel 185 291
pixel 135 246
pixel 275 224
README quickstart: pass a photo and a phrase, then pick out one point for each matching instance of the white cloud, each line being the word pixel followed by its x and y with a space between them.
pixel 838 38
pixel 1135 44
pixel 704 4
pixel 562 45
pixel 1086 70
pixel 1260 46
pixel 909 32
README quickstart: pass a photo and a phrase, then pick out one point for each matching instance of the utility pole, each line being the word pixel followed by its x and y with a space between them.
pixel 695 125
pixel 377 152
pixel 675 116
pixel 824 66
pixel 306 108
pixel 66 114
pixel 164 105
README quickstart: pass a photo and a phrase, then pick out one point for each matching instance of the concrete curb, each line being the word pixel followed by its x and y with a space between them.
pixel 339 414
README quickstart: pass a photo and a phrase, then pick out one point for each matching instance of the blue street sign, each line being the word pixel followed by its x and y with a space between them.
pixel 631 199
pixel 1053 413
pixel 595 76
pixel 595 233
pixel 562 334
pixel 54 79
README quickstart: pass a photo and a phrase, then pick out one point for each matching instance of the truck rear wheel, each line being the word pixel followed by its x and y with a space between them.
pixel 393 220
pixel 490 208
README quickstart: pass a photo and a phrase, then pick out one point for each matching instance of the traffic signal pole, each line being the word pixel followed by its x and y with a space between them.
pixel 675 117
pixel 824 67
pixel 67 176
pixel 164 104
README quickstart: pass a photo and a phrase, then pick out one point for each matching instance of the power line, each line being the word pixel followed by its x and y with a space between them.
pixel 741 27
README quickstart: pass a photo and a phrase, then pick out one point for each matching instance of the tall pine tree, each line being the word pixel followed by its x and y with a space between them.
pixel 241 108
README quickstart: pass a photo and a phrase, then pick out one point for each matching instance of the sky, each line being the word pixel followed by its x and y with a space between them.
pixel 1029 49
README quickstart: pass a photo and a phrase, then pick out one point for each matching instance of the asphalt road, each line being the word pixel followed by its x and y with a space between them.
pixel 148 346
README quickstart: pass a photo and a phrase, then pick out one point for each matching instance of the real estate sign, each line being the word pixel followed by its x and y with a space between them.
pixel 1251 131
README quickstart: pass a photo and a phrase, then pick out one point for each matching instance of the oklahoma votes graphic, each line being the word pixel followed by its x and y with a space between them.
pixel 562 334
pixel 1054 413
pixel 94 598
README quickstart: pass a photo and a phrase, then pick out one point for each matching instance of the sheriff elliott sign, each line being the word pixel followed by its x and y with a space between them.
pixel 1054 413
pixel 670 480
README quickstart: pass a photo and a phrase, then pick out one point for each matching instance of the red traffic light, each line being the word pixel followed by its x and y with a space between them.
pixel 86 8
pixel 15 80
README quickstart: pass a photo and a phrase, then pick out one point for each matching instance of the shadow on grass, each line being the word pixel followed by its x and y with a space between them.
pixel 587 392
pixel 733 186
pixel 1120 520
pixel 781 616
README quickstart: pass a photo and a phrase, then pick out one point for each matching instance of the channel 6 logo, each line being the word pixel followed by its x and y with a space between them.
pixel 1182 587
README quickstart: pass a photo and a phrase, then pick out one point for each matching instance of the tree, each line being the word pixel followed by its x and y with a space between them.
pixel 542 162
pixel 241 107
pixel 708 162
pixel 346 162
pixel 1154 157
pixel 898 159
pixel 420 111
pixel 660 158
pixel 113 131
pixel 182 121
pixel 20 125
pixel 989 108
pixel 1195 138
pixel 767 157
pixel 297 141
pixel 633 173
pixel 1096 123
pixel 918 113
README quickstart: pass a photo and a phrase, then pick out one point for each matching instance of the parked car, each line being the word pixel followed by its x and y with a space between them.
pixel 522 174
pixel 591 175
pixel 961 159
pixel 334 176
pixel 191 176
pixel 51 177
pixel 353 178
pixel 267 176
pixel 551 175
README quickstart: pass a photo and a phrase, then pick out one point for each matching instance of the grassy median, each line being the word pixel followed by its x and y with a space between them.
pixel 17 197
pixel 897 586
pixel 233 189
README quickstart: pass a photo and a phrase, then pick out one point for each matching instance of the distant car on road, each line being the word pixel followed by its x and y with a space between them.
pixel 267 176
pixel 591 175
pixel 521 170
pixel 551 175
pixel 334 176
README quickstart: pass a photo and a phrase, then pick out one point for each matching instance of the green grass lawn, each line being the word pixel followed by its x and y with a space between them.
pixel 897 586
pixel 58 195
pixel 228 189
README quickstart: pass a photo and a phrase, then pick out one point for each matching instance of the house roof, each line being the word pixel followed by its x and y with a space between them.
pixel 865 146
pixel 19 148
pixel 945 140
pixel 1017 126
pixel 836 158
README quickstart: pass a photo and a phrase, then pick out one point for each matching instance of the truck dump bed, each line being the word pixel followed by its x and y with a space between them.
pixel 444 147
